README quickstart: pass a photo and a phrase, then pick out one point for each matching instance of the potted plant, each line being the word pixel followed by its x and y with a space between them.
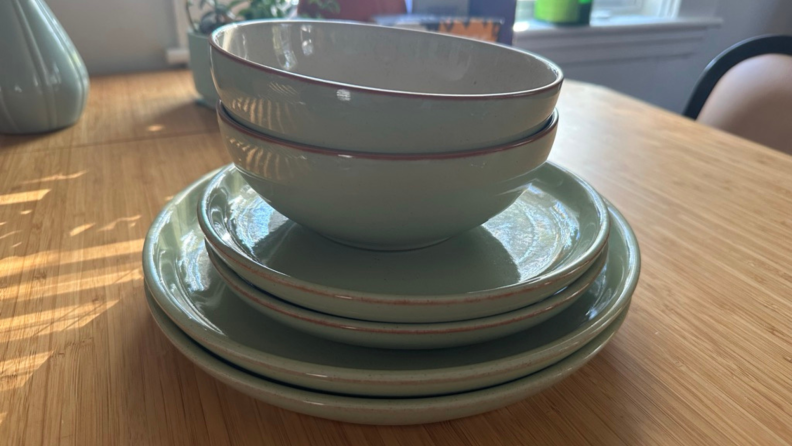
pixel 216 14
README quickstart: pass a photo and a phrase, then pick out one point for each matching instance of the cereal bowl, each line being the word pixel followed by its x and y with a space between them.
pixel 379 201
pixel 370 88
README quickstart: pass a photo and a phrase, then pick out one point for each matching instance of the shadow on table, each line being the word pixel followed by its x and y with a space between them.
pixel 107 126
pixel 108 376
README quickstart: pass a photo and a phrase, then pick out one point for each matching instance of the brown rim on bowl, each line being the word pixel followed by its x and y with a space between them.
pixel 556 84
pixel 550 125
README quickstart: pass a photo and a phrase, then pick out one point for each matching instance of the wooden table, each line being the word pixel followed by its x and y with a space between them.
pixel 704 357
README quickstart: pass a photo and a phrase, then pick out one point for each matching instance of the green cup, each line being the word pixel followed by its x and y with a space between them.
pixel 568 12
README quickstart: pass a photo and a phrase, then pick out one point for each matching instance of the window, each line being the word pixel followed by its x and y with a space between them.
pixel 605 9
pixel 619 6
pixel 619 30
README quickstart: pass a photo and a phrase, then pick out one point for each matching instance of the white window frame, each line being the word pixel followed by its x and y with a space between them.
pixel 664 28
pixel 636 8
pixel 179 55
pixel 661 8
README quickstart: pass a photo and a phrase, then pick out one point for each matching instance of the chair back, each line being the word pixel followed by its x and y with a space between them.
pixel 747 91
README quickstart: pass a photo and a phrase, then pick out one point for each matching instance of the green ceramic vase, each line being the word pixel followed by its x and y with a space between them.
pixel 202 68
pixel 43 81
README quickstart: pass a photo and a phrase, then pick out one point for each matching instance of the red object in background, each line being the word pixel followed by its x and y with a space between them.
pixel 359 10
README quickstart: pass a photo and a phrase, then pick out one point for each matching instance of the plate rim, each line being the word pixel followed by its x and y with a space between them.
pixel 351 408
pixel 233 253
pixel 332 321
pixel 379 376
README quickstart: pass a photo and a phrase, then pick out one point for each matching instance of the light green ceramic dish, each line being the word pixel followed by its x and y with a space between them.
pixel 381 411
pixel 201 68
pixel 43 81
pixel 387 335
pixel 542 243
pixel 385 202
pixel 189 290
pixel 370 88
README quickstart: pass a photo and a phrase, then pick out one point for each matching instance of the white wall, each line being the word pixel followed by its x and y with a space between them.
pixel 668 82
pixel 118 35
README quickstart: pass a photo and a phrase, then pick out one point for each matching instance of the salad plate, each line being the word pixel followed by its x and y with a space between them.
pixel 388 335
pixel 542 243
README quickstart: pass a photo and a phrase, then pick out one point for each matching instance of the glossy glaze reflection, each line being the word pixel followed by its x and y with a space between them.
pixel 385 202
pixel 183 282
pixel 369 88
pixel 530 237
pixel 535 247
pixel 381 411
pixel 356 58
pixel 406 336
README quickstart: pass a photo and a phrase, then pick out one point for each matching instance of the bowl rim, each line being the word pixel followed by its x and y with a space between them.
pixel 551 124
pixel 555 84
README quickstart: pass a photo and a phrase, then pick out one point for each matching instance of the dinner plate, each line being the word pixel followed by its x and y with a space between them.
pixel 389 335
pixel 542 243
pixel 381 411
pixel 188 289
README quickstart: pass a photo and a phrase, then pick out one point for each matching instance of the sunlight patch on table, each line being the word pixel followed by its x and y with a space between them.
pixel 15 372
pixel 80 229
pixel 28 291
pixel 54 320
pixel 17 264
pixel 8 234
pixel 129 220
pixel 57 177
pixel 23 197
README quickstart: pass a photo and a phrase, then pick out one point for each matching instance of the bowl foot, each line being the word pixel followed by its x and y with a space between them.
pixel 378 247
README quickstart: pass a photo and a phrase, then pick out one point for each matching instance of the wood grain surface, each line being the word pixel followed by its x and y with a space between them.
pixel 705 356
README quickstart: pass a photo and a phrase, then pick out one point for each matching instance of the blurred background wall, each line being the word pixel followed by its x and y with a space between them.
pixel 115 36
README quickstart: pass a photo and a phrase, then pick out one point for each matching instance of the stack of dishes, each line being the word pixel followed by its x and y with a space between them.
pixel 361 261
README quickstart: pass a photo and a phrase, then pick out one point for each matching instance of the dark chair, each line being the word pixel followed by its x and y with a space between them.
pixel 747 91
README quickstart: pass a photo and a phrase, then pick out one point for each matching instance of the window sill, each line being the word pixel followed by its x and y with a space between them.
pixel 616 38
